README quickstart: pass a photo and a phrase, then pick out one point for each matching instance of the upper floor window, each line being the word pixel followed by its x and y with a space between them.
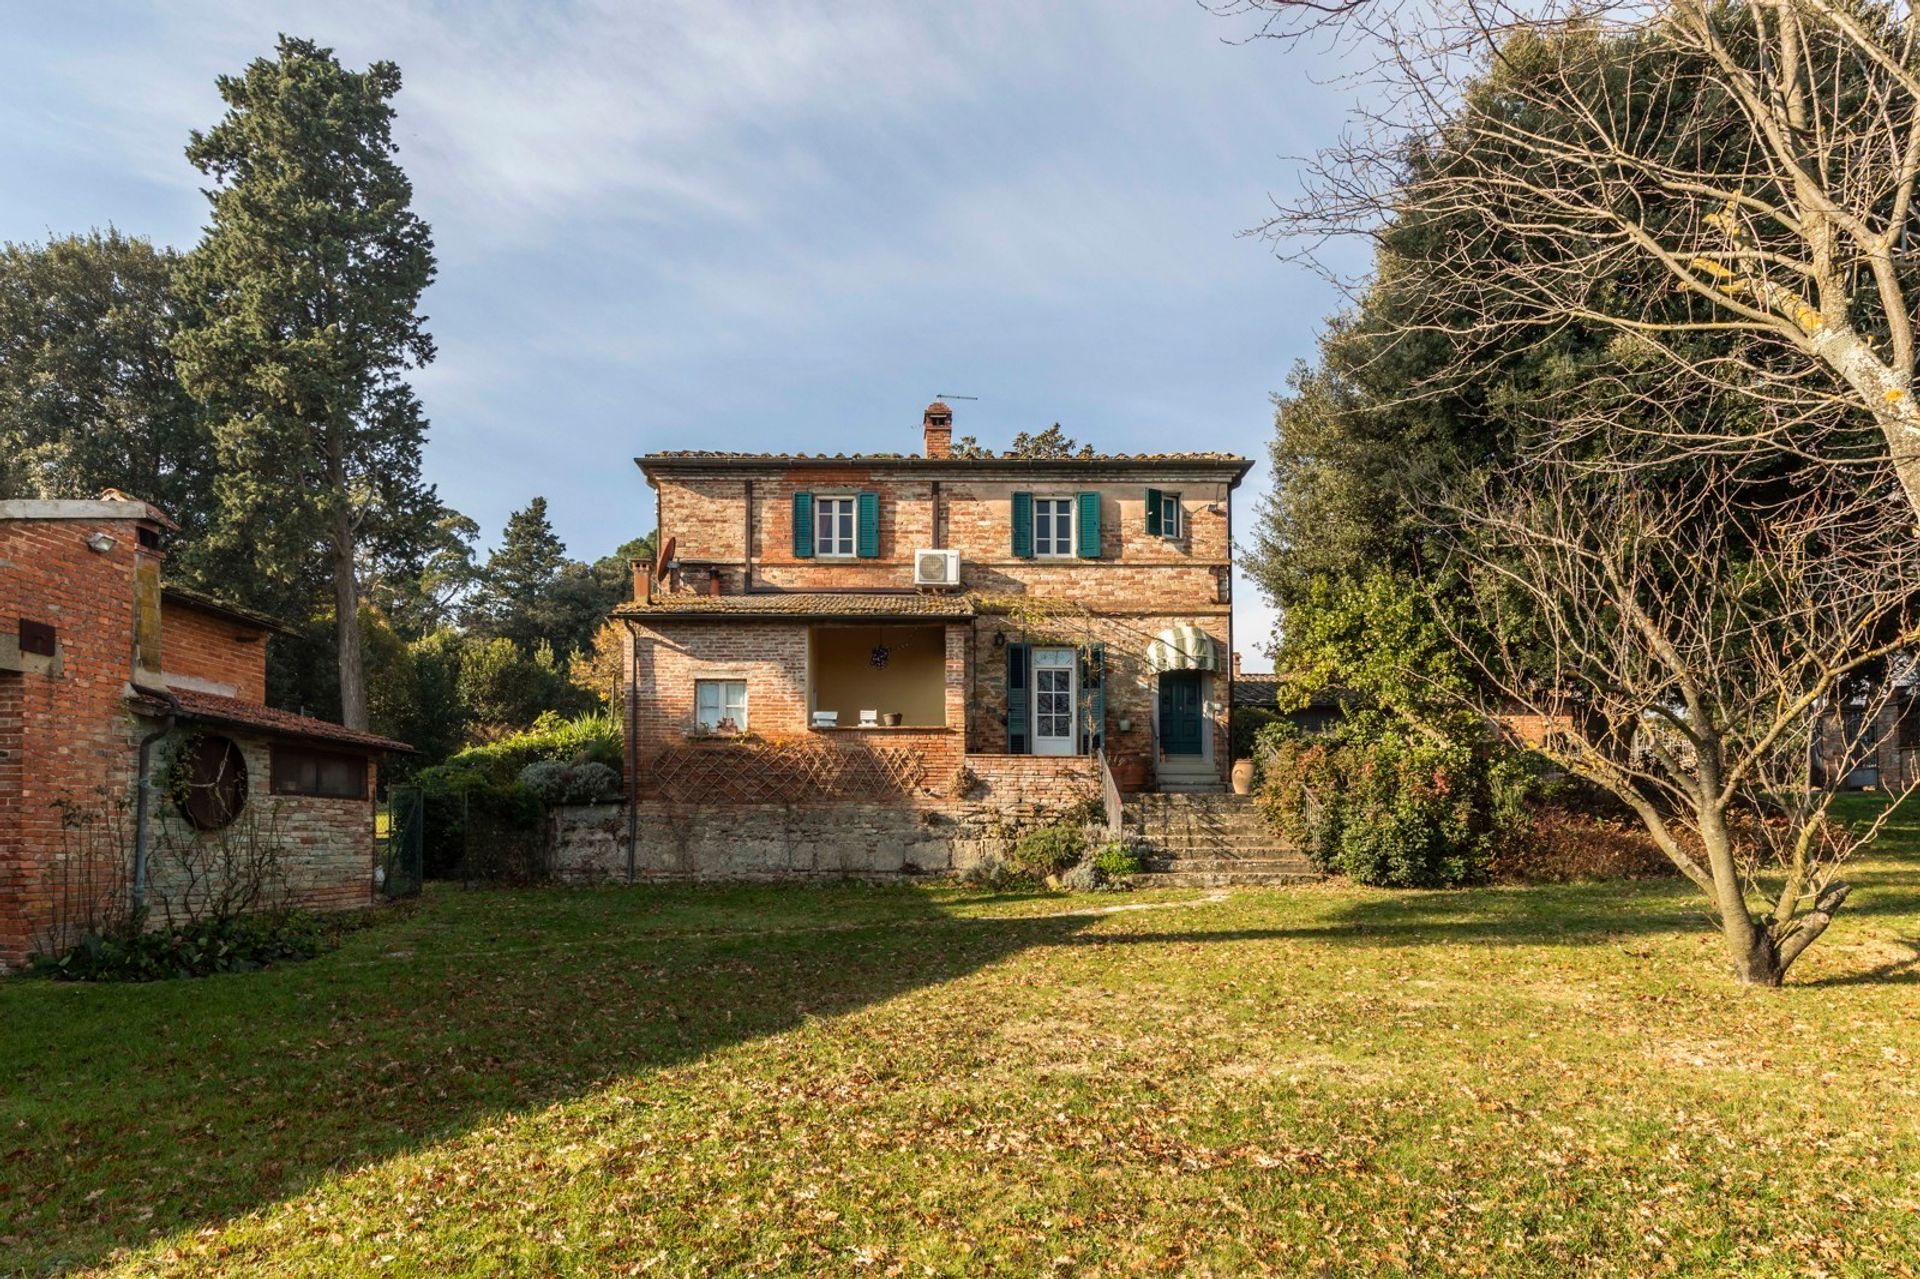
pixel 1053 526
pixel 1163 514
pixel 720 705
pixel 833 523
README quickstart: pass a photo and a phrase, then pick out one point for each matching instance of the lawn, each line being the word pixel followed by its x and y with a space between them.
pixel 899 1080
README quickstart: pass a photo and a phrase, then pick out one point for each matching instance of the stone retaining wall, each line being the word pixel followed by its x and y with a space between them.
pixel 928 836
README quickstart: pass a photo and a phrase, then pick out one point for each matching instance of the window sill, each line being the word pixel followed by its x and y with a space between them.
pixel 883 728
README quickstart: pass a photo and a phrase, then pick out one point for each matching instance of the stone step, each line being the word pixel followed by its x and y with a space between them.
pixel 1170 787
pixel 1185 844
pixel 1196 815
pixel 1275 860
pixel 1224 878
pixel 1148 801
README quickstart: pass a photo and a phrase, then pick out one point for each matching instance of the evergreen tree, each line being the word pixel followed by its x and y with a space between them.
pixel 89 398
pixel 307 288
pixel 518 593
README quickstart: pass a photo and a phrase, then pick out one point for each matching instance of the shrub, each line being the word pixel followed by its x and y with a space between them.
pixel 476 827
pixel 593 738
pixel 1047 850
pixel 1246 727
pixel 233 944
pixel 554 782
pixel 1116 861
pixel 1378 804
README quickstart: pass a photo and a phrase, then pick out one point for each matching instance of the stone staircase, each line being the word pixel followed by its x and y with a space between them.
pixel 1200 840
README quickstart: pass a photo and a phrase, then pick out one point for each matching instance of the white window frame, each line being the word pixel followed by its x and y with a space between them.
pixel 1073 526
pixel 822 503
pixel 722 702
pixel 1170 505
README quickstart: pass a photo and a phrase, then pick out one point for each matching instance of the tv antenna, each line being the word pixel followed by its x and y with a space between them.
pixel 942 395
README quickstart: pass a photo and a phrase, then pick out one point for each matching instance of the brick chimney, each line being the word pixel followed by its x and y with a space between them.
pixel 1236 666
pixel 938 423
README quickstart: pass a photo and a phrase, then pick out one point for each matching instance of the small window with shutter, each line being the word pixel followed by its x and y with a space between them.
pixel 1163 514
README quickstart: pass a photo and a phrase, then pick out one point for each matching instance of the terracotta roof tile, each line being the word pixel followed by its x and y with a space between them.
pixel 215 709
pixel 722 455
pixel 801 604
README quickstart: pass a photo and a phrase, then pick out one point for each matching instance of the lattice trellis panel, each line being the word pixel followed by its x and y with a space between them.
pixel 782 773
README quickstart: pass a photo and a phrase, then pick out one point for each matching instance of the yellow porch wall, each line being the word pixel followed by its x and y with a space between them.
pixel 912 682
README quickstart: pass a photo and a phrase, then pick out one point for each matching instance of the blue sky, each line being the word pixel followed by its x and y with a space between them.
pixel 764 226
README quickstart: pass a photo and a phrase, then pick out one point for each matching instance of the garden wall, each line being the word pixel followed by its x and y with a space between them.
pixel 828 839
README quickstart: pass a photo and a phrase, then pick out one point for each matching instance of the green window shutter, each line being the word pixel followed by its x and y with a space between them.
pixel 1019 711
pixel 1153 512
pixel 803 525
pixel 1087 532
pixel 1023 526
pixel 867 526
pixel 1093 696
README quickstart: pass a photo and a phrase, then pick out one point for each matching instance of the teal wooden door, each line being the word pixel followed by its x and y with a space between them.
pixel 1180 718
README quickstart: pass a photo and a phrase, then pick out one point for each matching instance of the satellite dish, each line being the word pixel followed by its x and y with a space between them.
pixel 665 558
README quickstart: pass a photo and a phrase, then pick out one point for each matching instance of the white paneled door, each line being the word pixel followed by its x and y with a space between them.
pixel 1053 694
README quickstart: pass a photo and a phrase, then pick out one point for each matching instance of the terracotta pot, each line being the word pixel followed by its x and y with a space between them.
pixel 1129 771
pixel 891 719
pixel 1243 777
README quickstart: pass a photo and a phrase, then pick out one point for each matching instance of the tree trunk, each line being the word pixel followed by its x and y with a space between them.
pixel 346 611
pixel 1759 964
pixel 1755 960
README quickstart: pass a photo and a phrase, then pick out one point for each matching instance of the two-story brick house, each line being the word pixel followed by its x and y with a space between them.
pixel 108 674
pixel 928 627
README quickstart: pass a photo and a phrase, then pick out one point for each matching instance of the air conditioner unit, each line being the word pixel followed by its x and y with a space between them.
pixel 936 568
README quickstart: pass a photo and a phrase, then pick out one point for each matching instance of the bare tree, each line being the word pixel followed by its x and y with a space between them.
pixel 1730 187
pixel 1687 638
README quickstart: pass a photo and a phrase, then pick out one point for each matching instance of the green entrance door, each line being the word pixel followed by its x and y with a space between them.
pixel 1180 718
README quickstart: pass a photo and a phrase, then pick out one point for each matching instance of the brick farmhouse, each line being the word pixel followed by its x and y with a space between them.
pixel 103 667
pixel 863 664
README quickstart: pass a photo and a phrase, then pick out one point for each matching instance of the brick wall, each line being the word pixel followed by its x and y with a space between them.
pixel 1141 584
pixel 217 654
pixel 13 923
pixel 927 835
pixel 771 657
pixel 706 515
pixel 74 736
pixel 1132 690
pixel 326 844
pixel 68 737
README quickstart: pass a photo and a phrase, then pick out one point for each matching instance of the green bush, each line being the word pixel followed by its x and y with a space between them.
pixel 1246 727
pixel 1116 861
pixel 593 738
pixel 1381 805
pixel 476 827
pixel 1047 850
pixel 235 944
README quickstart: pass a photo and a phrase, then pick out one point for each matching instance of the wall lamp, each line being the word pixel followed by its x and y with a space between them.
pixel 101 543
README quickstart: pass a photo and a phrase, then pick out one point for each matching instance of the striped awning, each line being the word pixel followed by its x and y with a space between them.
pixel 1183 648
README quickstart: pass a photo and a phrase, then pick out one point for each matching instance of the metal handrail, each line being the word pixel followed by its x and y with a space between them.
pixel 1110 797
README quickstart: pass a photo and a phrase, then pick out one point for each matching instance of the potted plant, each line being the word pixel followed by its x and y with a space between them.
pixel 1129 770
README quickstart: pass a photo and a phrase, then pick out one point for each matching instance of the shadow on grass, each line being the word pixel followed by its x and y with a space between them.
pixel 1894 972
pixel 133 1111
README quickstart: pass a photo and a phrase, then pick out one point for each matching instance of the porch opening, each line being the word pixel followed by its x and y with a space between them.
pixel 885 670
